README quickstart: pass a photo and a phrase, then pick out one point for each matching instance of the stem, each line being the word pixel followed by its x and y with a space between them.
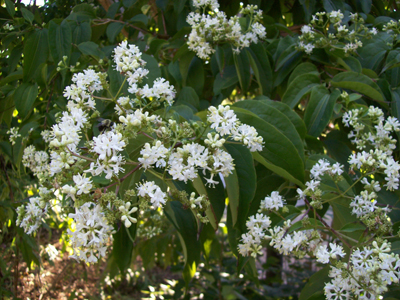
pixel 80 156
pixel 129 234
pixel 120 88
pixel 123 178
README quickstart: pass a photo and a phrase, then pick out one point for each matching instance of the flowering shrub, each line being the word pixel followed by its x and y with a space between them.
pixel 148 129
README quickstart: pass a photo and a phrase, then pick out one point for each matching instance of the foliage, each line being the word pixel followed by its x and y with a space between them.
pixel 305 86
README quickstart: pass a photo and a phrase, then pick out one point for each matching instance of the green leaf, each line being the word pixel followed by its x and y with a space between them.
pixel 187 96
pixel 315 284
pixel 246 175
pixel 81 32
pixel 186 225
pixel 27 15
pixel 279 154
pixel 261 67
pixel 373 51
pixel 60 41
pixel 293 116
pixel 215 195
pixel 276 118
pixel 36 50
pixel 90 48
pixel 299 87
pixel 85 10
pixel 359 83
pixel 10 6
pixel 113 29
pixel 140 18
pixel 351 227
pixel 24 97
pixel 350 63
pixel 320 109
pixel 226 79
pixel 301 69
pixel 330 5
pixel 242 66
pixel 232 188
pixel 195 76
pixel 154 69
pixel 123 246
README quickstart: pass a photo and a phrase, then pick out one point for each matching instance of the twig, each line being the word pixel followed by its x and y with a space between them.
pixel 123 178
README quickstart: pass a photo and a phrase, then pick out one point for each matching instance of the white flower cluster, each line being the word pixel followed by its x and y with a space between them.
pixel 323 255
pixel 225 122
pixel 83 185
pixel 285 242
pixel 30 216
pixel 214 27
pixel 367 274
pixel 75 150
pixel 107 146
pixel 13 132
pixel 92 233
pixel 128 60
pixel 275 201
pixel 319 169
pixel 149 189
pixel 37 161
pixel 316 35
pixel 257 227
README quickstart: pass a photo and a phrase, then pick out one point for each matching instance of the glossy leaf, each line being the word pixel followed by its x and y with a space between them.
pixel 246 176
pixel 279 154
pixel 24 98
pixel 299 87
pixel 186 225
pixel 60 40
pixel 276 118
pixel 359 83
pixel 320 109
pixel 36 50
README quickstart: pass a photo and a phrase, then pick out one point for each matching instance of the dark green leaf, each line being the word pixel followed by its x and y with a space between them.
pixel 186 225
pixel 60 40
pixel 315 284
pixel 36 50
pixel 293 117
pixel 188 96
pixel 276 118
pixel 90 48
pixel 27 15
pixel 279 154
pixel 195 77
pixel 246 175
pixel 319 109
pixel 10 6
pixel 113 29
pixel 359 83
pixel 299 87
pixel 242 66
pixel 25 96
pixel 301 69
pixel 123 246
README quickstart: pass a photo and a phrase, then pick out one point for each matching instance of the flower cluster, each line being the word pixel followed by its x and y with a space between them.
pixel 13 132
pixel 326 30
pixel 214 28
pixel 92 233
pixel 30 216
pixel 226 123
pixel 366 275
pixel 86 159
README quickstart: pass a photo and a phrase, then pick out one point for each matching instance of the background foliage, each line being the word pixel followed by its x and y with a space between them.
pixel 300 125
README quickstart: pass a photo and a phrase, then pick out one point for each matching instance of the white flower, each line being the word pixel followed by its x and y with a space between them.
pixel 126 212
pixel 223 119
pixel 157 197
pixel 92 233
pixel 275 201
pixel 322 254
pixel 248 135
pixel 83 184
pixel 155 155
